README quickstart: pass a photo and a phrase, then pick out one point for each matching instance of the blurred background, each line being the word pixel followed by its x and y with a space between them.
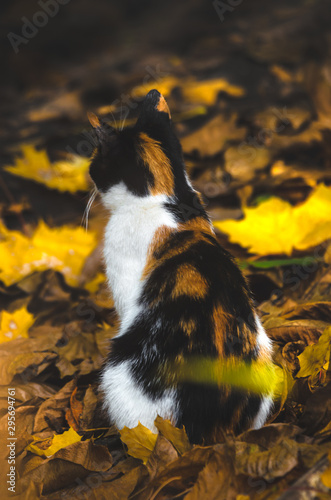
pixel 248 85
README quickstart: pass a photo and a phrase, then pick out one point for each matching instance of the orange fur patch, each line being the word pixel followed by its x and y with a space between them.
pixel 163 106
pixel 189 282
pixel 163 234
pixel 159 165
pixel 222 326
pixel 188 326
pixel 160 237
pixel 198 224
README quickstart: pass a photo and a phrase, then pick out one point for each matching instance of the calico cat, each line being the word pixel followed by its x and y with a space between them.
pixel 179 295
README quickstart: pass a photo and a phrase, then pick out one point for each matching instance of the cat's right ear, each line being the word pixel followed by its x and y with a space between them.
pixel 102 129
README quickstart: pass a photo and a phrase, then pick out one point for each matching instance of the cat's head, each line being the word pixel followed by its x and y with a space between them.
pixel 146 159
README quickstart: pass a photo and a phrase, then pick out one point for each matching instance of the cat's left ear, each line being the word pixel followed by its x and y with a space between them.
pixel 102 129
pixel 154 108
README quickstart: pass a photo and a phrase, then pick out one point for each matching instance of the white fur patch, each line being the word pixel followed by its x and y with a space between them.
pixel 263 413
pixel 128 235
pixel 126 403
pixel 263 341
pixel 265 351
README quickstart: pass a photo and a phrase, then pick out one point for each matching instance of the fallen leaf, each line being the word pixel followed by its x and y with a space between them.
pixel 68 465
pixel 202 92
pixel 177 437
pixel 206 91
pixel 214 479
pixel 326 476
pixel 179 473
pixel 269 464
pixel 70 175
pixel 275 226
pixel 242 162
pixel 315 357
pixel 28 357
pixel 54 406
pixel 139 440
pixel 57 442
pixel 15 325
pixel 213 136
pixel 73 414
pixel 64 249
pixel 162 454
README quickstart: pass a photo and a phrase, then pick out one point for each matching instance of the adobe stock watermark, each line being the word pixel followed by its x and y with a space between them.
pixel 30 28
pixel 222 7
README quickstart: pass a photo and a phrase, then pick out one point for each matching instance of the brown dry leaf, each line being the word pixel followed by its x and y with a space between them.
pixel 214 480
pixel 243 161
pixel 270 435
pixel 309 135
pixel 163 453
pixel 317 410
pixel 73 414
pixel 119 489
pixel 67 104
pixel 320 311
pixel 29 357
pixel 25 392
pixel 319 86
pixel 107 485
pixel 80 355
pixel 89 406
pixel 275 121
pixel 177 437
pixel 54 407
pixel 287 331
pixel 179 473
pixel 68 465
pixel 212 137
pixel 290 353
pixel 269 464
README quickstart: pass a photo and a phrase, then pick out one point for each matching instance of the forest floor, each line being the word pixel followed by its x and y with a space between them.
pixel 250 96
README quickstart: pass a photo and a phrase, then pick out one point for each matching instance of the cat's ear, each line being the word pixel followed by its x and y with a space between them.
pixel 154 109
pixel 102 129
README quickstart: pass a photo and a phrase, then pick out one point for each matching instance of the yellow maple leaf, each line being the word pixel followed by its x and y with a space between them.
pixel 326 476
pixel 177 437
pixel 34 164
pixel 206 91
pixel 139 440
pixel 93 285
pixel 164 86
pixel 203 92
pixel 316 356
pixel 277 227
pixel 63 249
pixel 15 325
pixel 58 442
